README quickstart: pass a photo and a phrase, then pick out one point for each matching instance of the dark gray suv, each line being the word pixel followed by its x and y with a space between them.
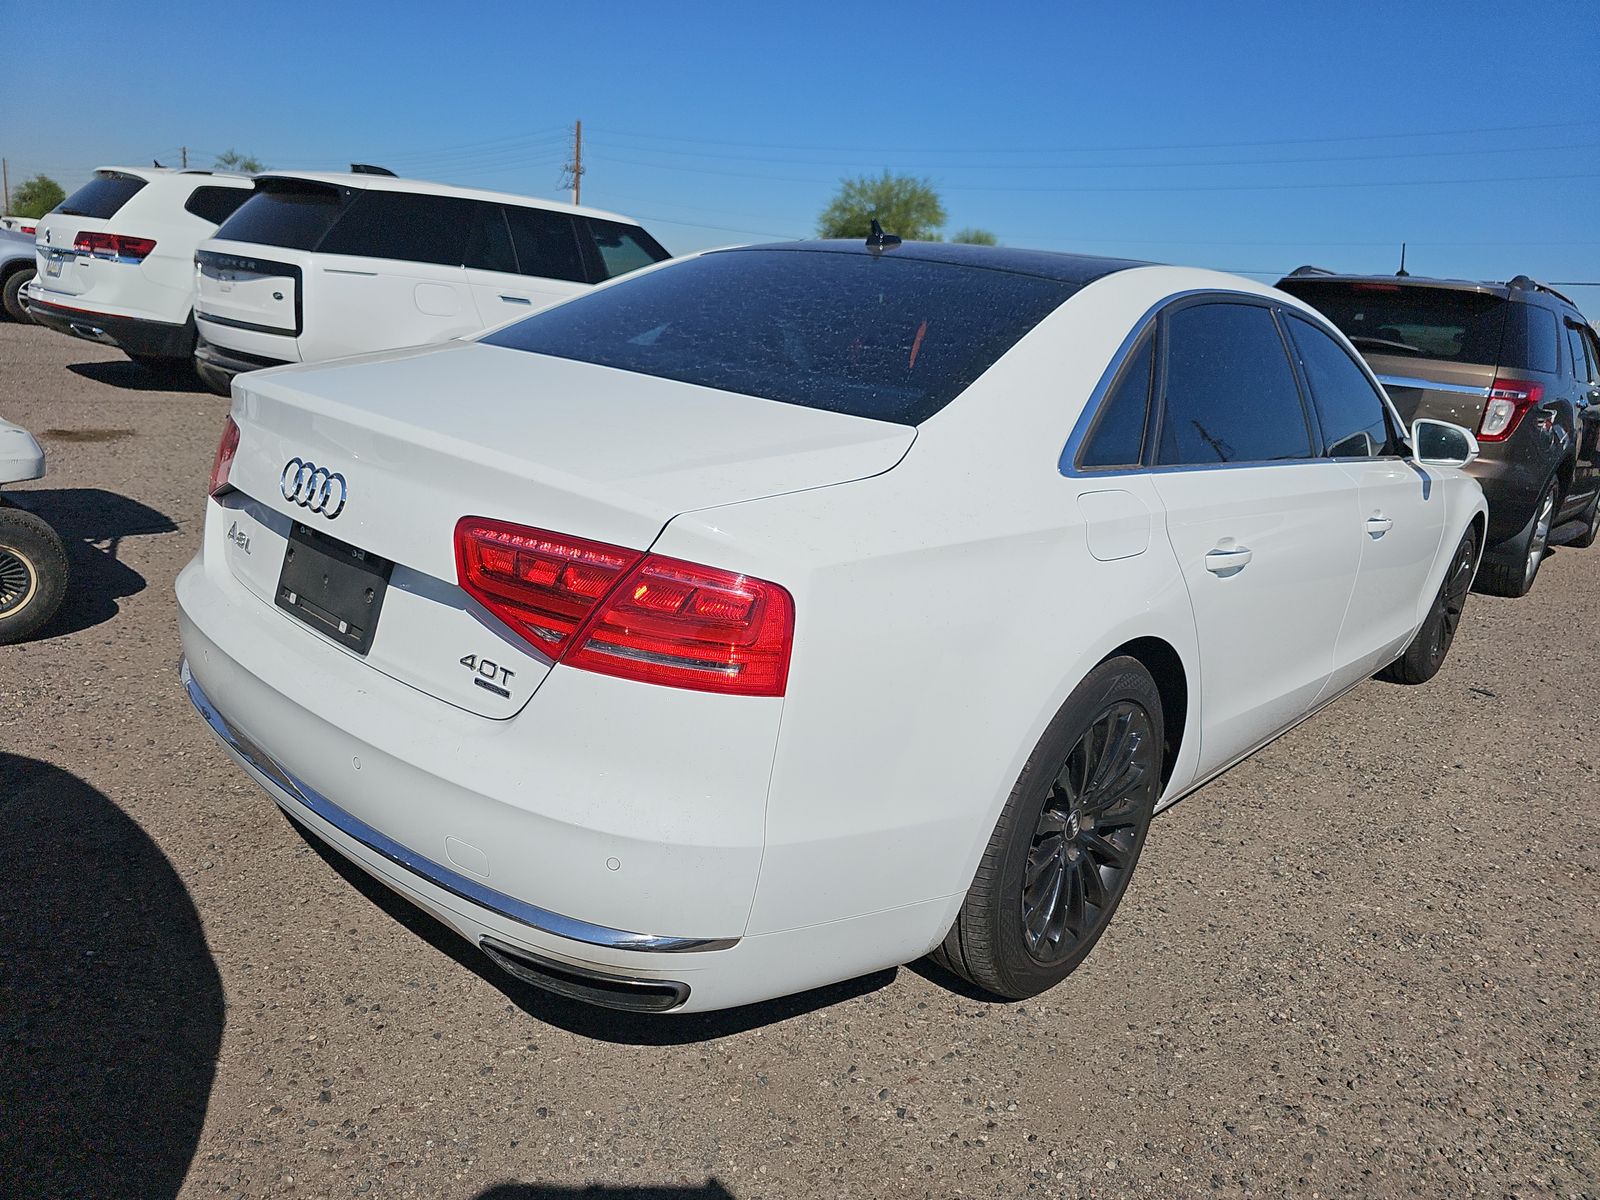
pixel 1517 363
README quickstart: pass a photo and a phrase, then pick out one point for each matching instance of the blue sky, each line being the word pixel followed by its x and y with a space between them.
pixel 1247 136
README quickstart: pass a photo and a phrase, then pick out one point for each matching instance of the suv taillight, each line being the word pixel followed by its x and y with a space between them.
pixel 223 466
pixel 616 611
pixel 1509 402
pixel 113 245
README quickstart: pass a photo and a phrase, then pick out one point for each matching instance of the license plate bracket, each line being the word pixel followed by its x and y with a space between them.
pixel 333 587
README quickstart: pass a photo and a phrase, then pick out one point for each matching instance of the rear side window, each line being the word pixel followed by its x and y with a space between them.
pixel 101 197
pixel 1530 342
pixel 291 214
pixel 488 240
pixel 1230 395
pixel 547 244
pixel 1117 438
pixel 621 248
pixel 893 339
pixel 1576 359
pixel 1410 321
pixel 404 226
pixel 1355 421
pixel 216 204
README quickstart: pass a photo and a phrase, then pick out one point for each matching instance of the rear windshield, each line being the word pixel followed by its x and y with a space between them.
pixel 1410 321
pixel 880 337
pixel 292 215
pixel 101 197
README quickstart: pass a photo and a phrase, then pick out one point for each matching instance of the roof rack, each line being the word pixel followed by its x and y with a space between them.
pixel 1527 283
pixel 369 169
pixel 1308 269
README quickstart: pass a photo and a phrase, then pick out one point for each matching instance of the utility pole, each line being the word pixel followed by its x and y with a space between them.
pixel 5 173
pixel 572 172
pixel 183 153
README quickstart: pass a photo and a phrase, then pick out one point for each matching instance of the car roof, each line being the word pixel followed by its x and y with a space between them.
pixel 392 183
pixel 1076 269
pixel 151 174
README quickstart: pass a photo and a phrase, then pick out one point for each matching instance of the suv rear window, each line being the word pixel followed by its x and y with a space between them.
pixel 293 214
pixel 101 197
pixel 885 338
pixel 1410 321
pixel 216 204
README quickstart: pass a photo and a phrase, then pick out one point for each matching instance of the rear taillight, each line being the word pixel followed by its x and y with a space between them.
pixel 618 612
pixel 541 584
pixel 30 230
pixel 113 245
pixel 223 466
pixel 1509 402
pixel 689 626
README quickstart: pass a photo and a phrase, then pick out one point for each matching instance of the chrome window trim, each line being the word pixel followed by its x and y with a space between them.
pixel 441 877
pixel 1436 385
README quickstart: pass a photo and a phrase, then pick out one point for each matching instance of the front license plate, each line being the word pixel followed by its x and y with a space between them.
pixel 333 587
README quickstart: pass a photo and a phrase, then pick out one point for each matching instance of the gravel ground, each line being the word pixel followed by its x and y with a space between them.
pixel 1363 963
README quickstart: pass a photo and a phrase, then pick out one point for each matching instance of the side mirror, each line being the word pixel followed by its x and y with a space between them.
pixel 1441 444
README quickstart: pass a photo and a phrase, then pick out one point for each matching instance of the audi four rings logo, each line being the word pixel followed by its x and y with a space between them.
pixel 313 487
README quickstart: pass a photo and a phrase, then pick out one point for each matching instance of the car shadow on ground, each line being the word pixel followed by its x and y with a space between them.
pixel 586 1020
pixel 92 522
pixel 111 1008
pixel 131 377
pixel 712 1189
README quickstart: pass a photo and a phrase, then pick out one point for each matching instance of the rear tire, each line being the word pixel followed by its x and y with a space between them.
pixel 1062 854
pixel 1592 532
pixel 218 382
pixel 1516 578
pixel 1427 651
pixel 33 574
pixel 11 295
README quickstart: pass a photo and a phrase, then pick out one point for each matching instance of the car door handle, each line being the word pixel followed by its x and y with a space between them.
pixel 1378 526
pixel 516 299
pixel 1228 561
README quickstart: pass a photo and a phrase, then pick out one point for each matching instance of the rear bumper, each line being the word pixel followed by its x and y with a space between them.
pixel 233 362
pixel 621 844
pixel 133 335
pixel 304 799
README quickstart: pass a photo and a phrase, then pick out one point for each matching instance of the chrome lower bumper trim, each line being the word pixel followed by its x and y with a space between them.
pixel 440 876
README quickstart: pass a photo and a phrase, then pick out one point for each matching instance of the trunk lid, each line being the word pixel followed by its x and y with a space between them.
pixel 91 209
pixel 427 436
pixel 235 286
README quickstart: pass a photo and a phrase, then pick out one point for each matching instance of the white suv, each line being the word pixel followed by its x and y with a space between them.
pixel 316 266
pixel 115 260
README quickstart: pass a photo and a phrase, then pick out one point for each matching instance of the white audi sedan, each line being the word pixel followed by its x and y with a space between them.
pixel 780 614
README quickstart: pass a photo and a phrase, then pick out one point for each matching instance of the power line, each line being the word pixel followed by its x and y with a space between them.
pixel 1228 162
pixel 1360 137
pixel 1228 187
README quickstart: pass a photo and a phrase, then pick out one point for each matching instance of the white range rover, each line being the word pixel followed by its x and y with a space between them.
pixel 320 266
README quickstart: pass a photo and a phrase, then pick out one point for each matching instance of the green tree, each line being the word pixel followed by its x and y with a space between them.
pixel 975 237
pixel 35 197
pixel 232 160
pixel 903 204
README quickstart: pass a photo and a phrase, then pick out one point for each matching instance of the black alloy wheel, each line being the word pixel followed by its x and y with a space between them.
pixel 1088 833
pixel 1067 840
pixel 1428 650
